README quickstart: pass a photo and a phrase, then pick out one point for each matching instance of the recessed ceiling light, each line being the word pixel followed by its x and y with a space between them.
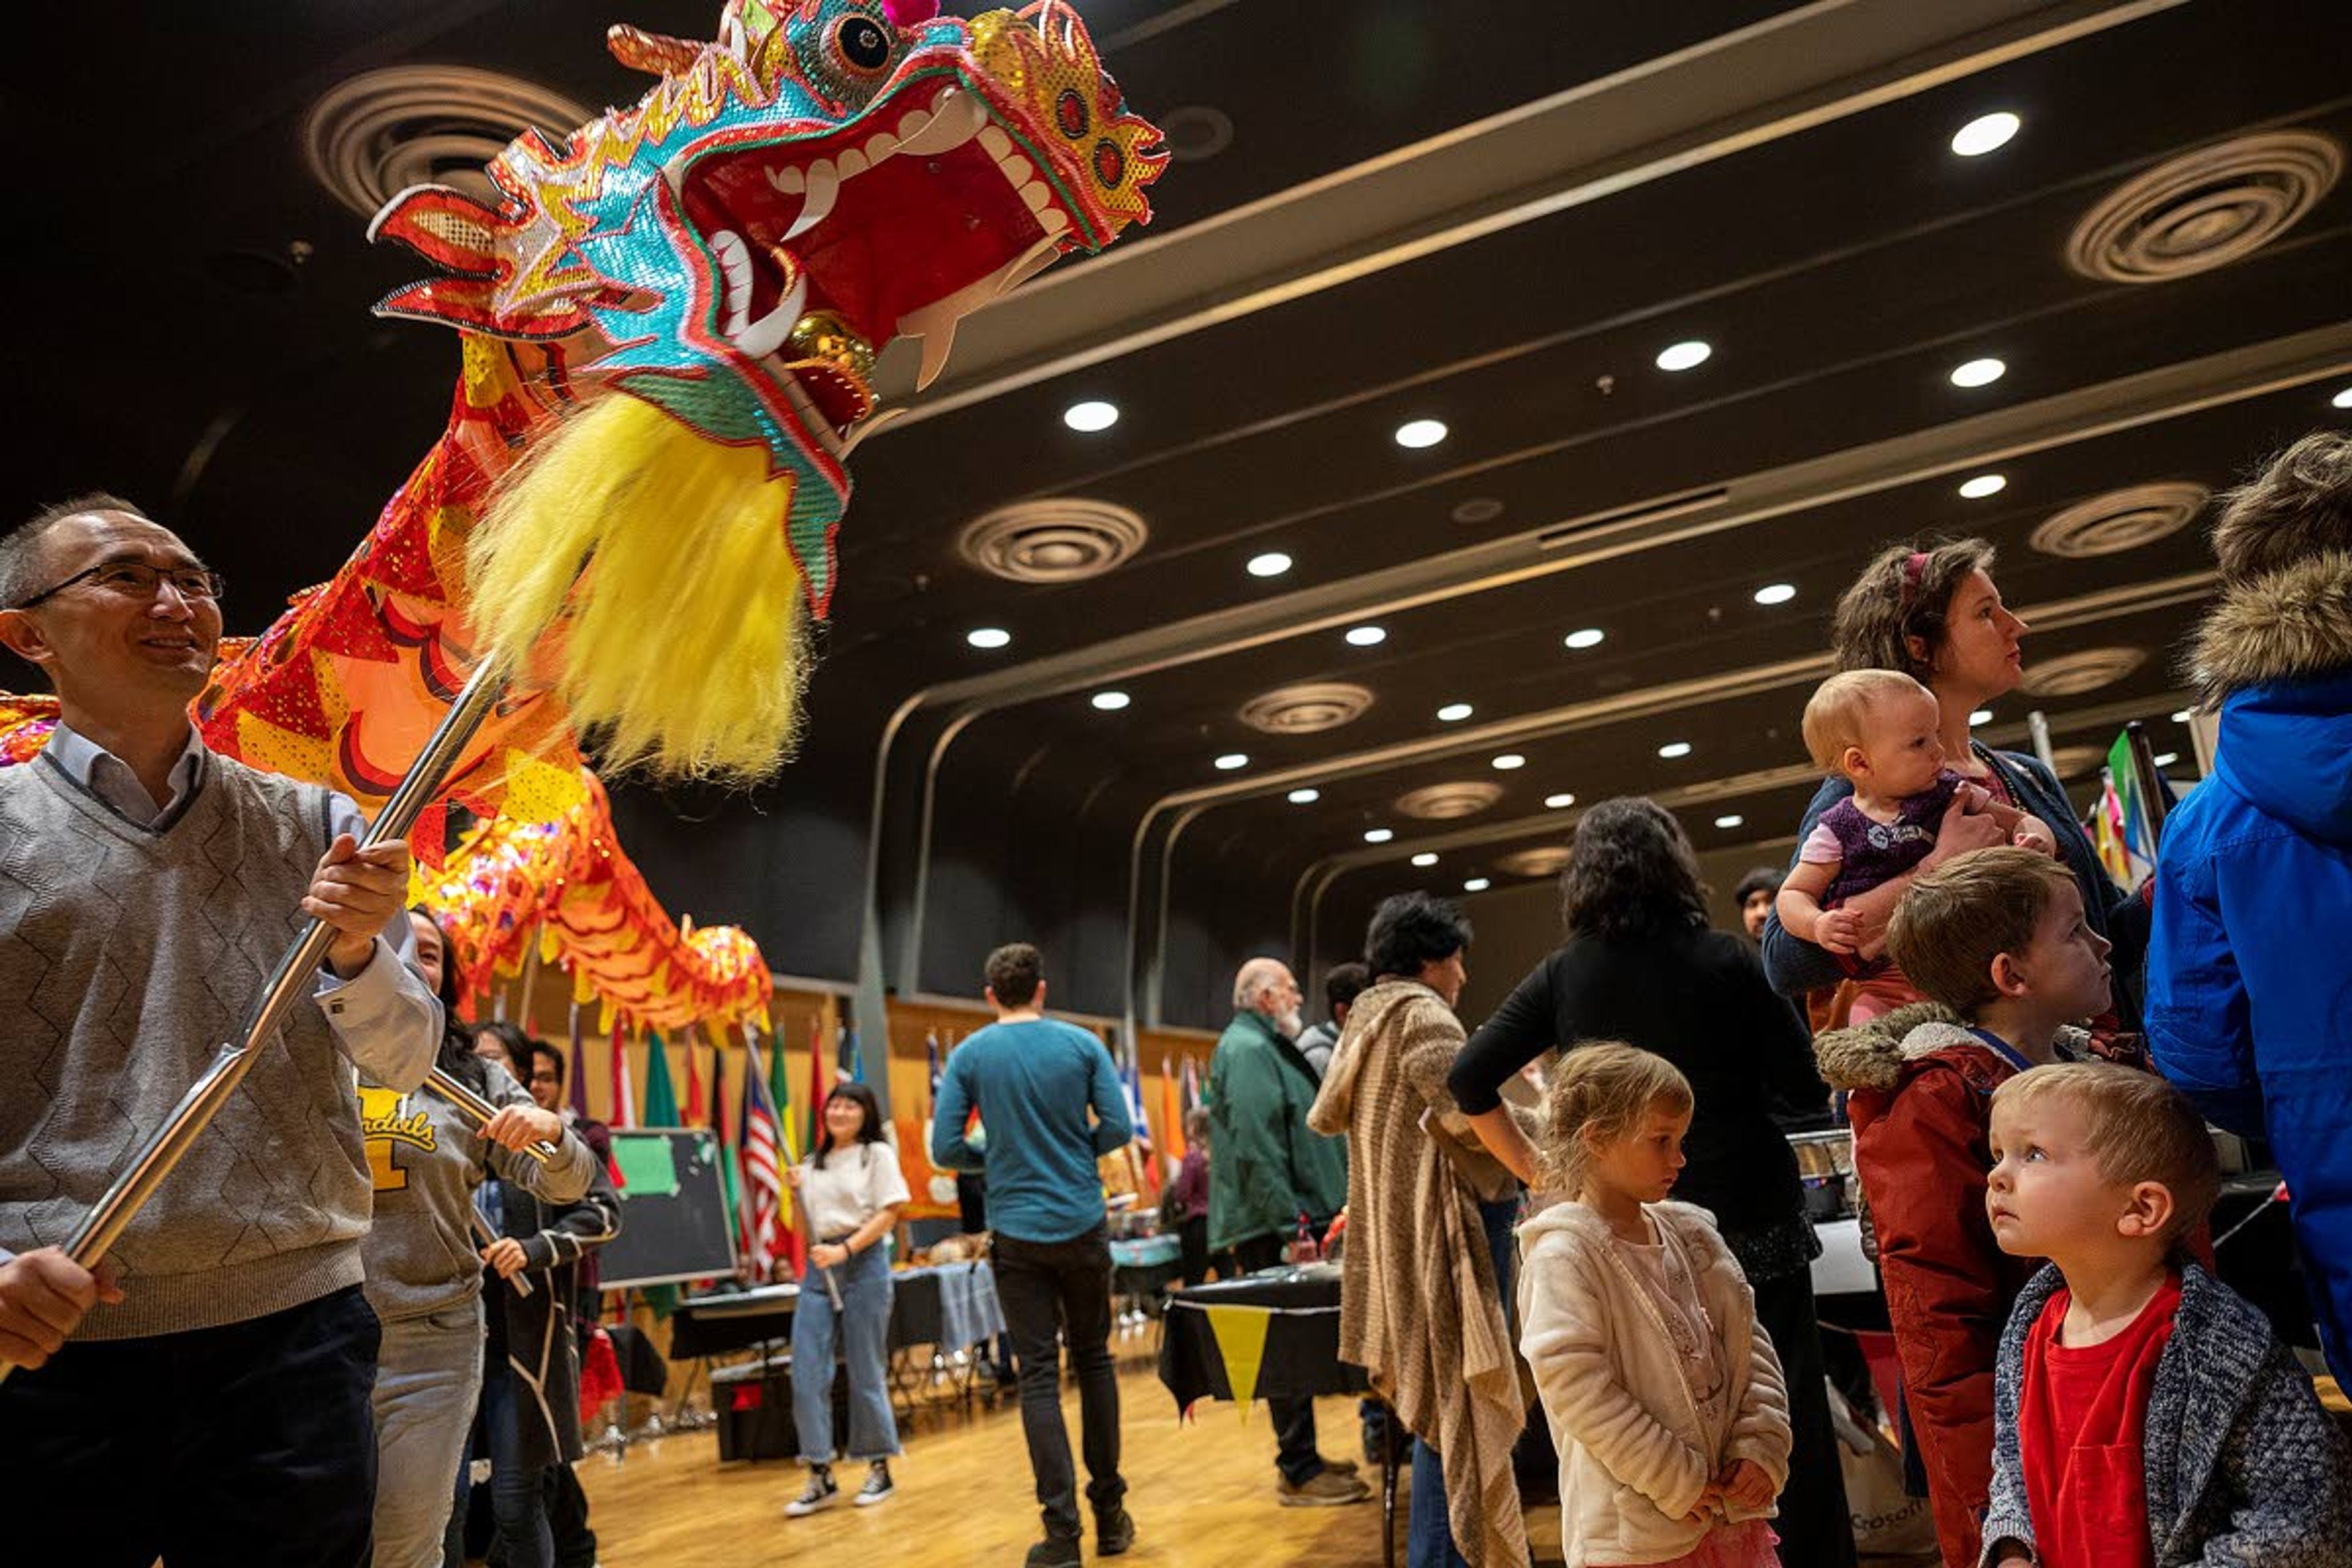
pixel 1232 759
pixel 1983 485
pixel 1559 802
pixel 1734 820
pixel 1090 416
pixel 2166 758
pixel 988 636
pixel 1589 637
pixel 1419 433
pixel 1977 372
pixel 1379 835
pixel 1366 636
pixel 1982 716
pixel 1424 859
pixel 1111 702
pixel 1776 593
pixel 2343 399
pixel 1985 133
pixel 1304 796
pixel 1673 749
pixel 1508 760
pixel 1273 564
pixel 1455 712
pixel 2184 715
pixel 1683 356
pixel 1477 885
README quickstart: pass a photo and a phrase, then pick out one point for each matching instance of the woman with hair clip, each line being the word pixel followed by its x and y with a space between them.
pixel 1932 612
pixel 1640 965
pixel 424 1268
pixel 851 1190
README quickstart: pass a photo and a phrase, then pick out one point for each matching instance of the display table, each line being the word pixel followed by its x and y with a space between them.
pixel 1299 1358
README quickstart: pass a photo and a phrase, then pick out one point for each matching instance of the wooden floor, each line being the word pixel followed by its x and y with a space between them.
pixel 1202 1495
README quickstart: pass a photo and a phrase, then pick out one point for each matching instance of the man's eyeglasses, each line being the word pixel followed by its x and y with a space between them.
pixel 138 581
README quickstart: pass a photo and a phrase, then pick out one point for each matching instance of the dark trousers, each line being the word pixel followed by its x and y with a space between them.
pixel 1814 1525
pixel 1045 1287
pixel 1295 1453
pixel 567 1519
pixel 245 1445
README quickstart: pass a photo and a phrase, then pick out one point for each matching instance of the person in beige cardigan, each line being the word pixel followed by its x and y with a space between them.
pixel 1420 1304
pixel 1666 1399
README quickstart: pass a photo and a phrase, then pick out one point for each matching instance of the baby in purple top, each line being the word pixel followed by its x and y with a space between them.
pixel 1880 730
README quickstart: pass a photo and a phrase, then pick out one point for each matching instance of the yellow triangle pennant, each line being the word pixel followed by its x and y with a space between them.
pixel 1239 1333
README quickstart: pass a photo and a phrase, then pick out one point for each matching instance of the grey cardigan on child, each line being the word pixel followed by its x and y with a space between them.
pixel 2243 1467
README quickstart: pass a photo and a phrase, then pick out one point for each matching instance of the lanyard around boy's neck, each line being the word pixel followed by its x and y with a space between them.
pixel 2011 1055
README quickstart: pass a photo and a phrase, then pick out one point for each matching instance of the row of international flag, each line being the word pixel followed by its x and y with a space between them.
pixel 766 1135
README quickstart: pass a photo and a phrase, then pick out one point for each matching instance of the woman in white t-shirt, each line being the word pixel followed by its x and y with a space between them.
pixel 850 1190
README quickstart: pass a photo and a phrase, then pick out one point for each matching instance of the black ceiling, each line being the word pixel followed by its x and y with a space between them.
pixel 194 317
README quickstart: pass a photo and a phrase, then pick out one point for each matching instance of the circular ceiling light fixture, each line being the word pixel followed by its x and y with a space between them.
pixel 1304 797
pixel 1445 802
pixel 1590 637
pixel 1559 802
pixel 1673 748
pixel 2165 759
pixel 1509 762
pixel 1733 820
pixel 2343 399
pixel 1985 133
pixel 1417 434
pixel 1776 593
pixel 1979 373
pixel 1427 857
pixel 1478 508
pixel 989 637
pixel 1110 701
pixel 1231 761
pixel 1091 416
pixel 1983 485
pixel 2120 520
pixel 1477 885
pixel 1306 708
pixel 1273 564
pixel 1053 539
pixel 2206 208
pixel 1193 133
pixel 1366 636
pixel 1455 712
pixel 1379 835
pixel 1686 355
pixel 1981 717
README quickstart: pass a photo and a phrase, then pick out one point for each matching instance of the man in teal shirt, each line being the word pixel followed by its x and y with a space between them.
pixel 1052 1104
pixel 1267 1172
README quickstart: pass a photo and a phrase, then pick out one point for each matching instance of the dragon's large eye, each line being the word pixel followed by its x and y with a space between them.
pixel 862 43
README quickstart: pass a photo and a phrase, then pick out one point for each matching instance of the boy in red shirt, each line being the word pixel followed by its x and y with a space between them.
pixel 2146 1414
pixel 1997 938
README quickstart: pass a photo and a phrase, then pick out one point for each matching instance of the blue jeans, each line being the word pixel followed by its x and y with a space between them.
pixel 863 1328
pixel 1429 1535
pixel 427 1377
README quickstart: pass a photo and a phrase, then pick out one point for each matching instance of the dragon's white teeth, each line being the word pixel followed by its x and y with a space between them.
pixel 955 120
pixel 788 181
pixel 1041 256
pixel 882 145
pixel 936 345
pixel 735 263
pixel 994 142
pixel 1054 220
pixel 852 164
pixel 766 336
pixel 823 189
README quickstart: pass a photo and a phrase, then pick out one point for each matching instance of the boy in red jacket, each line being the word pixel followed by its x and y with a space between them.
pixel 1998 941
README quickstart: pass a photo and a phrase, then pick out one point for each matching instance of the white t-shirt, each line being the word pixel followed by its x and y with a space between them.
pixel 857 1181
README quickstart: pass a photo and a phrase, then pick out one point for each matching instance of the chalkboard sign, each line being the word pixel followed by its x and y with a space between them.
pixel 674 1225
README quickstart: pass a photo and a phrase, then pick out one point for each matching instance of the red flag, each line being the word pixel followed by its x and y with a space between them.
pixel 697 1112
pixel 624 1093
pixel 820 1082
pixel 769 1232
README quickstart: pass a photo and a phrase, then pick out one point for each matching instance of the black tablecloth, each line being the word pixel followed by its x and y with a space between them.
pixel 736 1321
pixel 1302 1341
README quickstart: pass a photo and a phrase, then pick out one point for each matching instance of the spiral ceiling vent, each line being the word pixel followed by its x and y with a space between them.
pixel 377 133
pixel 1057 539
pixel 2205 208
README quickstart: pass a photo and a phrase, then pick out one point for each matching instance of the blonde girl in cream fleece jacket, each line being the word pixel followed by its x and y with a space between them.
pixel 1665 1400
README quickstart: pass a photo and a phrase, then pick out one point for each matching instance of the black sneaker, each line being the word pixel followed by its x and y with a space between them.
pixel 1054 1552
pixel 820 1492
pixel 1114 1532
pixel 877 1488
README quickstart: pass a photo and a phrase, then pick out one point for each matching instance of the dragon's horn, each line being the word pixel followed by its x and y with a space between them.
pixel 655 54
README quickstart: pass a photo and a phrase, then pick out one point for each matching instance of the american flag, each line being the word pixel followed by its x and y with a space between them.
pixel 767 1226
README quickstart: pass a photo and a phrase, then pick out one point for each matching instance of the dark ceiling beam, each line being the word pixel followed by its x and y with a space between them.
pixel 1779 78
pixel 1307 892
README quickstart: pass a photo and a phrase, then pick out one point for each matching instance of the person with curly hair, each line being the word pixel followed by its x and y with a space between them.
pixel 1641 966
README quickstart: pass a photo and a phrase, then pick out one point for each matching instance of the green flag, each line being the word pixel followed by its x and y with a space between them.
pixel 659 1105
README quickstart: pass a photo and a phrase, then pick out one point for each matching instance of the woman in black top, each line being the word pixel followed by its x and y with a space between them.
pixel 1640 965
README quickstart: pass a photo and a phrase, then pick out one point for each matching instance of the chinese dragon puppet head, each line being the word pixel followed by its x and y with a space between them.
pixel 669 320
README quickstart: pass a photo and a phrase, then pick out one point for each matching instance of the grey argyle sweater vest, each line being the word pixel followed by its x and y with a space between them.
pixel 126 956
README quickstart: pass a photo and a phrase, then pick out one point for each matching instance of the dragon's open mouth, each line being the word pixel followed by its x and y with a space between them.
pixel 828 248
